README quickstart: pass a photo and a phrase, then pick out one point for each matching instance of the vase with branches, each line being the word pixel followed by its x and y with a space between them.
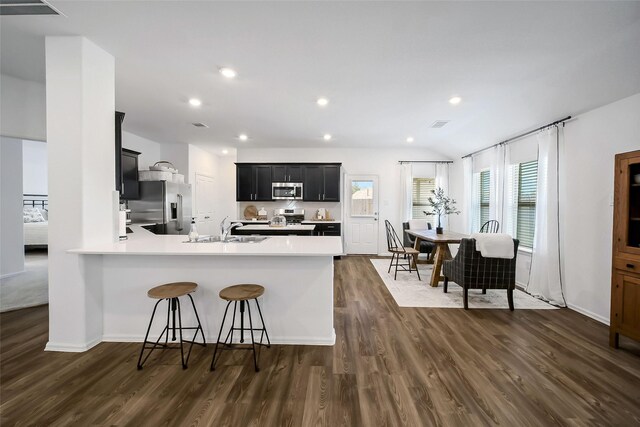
pixel 441 205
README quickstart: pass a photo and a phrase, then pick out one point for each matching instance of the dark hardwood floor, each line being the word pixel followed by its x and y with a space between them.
pixel 390 366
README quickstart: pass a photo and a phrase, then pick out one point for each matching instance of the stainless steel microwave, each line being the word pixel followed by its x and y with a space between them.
pixel 286 191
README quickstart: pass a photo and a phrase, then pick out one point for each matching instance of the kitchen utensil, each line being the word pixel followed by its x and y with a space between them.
pixel 163 166
pixel 278 221
pixel 250 212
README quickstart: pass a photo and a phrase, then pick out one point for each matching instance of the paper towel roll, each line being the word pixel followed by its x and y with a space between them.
pixel 122 224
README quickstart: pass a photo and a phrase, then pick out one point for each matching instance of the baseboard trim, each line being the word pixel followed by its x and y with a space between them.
pixel 325 341
pixel 588 313
pixel 71 348
pixel 7 275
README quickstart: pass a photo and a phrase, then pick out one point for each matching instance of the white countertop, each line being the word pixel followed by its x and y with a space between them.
pixel 320 221
pixel 289 227
pixel 143 242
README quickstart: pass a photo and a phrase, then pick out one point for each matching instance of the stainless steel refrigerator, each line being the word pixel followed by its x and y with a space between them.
pixel 164 205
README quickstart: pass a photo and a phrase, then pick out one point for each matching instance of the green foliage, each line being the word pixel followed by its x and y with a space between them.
pixel 440 205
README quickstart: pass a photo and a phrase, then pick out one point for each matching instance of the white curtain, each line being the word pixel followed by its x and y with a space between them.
pixel 510 211
pixel 406 182
pixel 442 181
pixel 467 167
pixel 545 276
pixel 474 211
pixel 497 183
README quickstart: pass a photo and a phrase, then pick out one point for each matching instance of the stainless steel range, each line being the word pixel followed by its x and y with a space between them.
pixel 293 216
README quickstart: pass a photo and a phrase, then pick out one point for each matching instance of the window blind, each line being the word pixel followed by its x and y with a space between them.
pixel 485 196
pixel 527 189
pixel 422 190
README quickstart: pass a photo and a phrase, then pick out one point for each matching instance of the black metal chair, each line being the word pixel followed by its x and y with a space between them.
pixel 410 241
pixel 471 270
pixel 491 226
pixel 397 249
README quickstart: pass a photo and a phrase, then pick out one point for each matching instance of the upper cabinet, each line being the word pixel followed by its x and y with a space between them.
pixel 321 182
pixel 253 182
pixel 129 165
pixel 286 173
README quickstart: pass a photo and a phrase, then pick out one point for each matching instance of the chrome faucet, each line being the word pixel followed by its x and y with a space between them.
pixel 224 230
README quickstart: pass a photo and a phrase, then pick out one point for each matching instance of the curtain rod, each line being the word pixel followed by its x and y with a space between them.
pixel 522 135
pixel 425 161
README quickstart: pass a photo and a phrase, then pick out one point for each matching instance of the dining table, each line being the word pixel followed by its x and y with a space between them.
pixel 442 251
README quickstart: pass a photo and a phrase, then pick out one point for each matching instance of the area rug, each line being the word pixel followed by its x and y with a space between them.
pixel 408 291
pixel 29 288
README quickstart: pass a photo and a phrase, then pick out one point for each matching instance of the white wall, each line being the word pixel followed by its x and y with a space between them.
pixel 587 170
pixel 151 151
pixel 355 161
pixel 34 170
pixel 22 109
pixel 11 234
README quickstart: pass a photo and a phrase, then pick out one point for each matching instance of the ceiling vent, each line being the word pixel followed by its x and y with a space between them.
pixel 26 7
pixel 200 125
pixel 439 124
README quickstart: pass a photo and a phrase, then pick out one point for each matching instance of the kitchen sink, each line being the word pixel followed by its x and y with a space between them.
pixel 231 239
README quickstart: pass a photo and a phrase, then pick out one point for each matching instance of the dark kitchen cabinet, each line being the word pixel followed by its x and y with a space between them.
pixel 119 118
pixel 322 183
pixel 129 168
pixel 326 228
pixel 253 183
pixel 286 173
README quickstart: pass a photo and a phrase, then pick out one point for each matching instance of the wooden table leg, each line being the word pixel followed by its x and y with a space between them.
pixel 442 253
pixel 416 246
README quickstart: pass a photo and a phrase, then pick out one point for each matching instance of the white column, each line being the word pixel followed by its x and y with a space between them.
pixel 80 132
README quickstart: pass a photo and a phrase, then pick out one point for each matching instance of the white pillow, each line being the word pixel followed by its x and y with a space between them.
pixel 32 215
pixel 418 224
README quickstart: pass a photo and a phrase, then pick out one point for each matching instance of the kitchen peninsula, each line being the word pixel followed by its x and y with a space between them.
pixel 297 272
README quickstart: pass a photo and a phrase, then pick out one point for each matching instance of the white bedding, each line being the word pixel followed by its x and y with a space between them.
pixel 36 233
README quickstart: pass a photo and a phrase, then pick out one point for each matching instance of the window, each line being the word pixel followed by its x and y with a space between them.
pixel 527 188
pixel 422 190
pixel 485 196
pixel 362 198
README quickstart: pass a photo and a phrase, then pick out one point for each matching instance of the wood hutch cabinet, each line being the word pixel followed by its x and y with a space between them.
pixel 625 277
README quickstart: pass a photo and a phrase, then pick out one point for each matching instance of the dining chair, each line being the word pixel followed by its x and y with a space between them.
pixel 397 249
pixel 491 226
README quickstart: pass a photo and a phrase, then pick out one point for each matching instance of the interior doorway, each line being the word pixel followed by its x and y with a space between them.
pixel 361 231
pixel 204 201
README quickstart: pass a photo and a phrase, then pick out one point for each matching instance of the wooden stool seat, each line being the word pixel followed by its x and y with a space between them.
pixel 241 292
pixel 172 290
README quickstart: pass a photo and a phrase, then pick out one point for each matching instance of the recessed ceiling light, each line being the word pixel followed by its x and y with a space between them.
pixel 228 72
pixel 455 100
pixel 243 137
pixel 195 102
pixel 326 137
pixel 410 139
pixel 225 151
pixel 322 102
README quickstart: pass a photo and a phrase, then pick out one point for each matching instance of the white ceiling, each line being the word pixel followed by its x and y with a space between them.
pixel 388 68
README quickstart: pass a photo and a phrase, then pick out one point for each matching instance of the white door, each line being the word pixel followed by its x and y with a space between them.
pixel 361 214
pixel 204 201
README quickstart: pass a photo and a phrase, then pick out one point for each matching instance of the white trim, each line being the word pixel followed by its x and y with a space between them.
pixel 5 276
pixel 330 340
pixel 588 313
pixel 525 250
pixel 71 348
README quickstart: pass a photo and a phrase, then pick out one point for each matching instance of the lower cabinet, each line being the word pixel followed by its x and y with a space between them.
pixel 326 229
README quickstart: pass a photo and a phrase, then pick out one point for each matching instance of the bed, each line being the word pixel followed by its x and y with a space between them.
pixel 35 210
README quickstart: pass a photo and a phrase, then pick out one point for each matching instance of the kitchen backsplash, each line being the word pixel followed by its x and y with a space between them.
pixel 310 208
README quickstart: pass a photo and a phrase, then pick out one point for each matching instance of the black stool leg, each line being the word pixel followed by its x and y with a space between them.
pixel 144 343
pixel 242 321
pixel 173 314
pixel 253 344
pixel 204 340
pixel 184 365
pixel 264 328
pixel 215 350
pixel 233 324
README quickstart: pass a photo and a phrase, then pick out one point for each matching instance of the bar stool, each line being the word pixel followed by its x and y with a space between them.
pixel 172 293
pixel 241 293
